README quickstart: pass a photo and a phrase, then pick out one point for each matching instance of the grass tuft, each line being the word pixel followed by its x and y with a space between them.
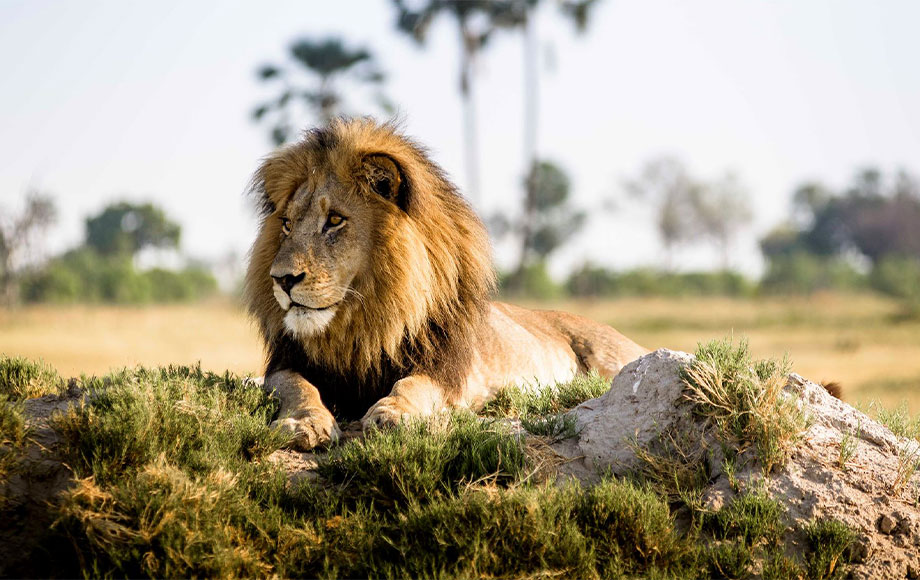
pixel 556 427
pixel 541 409
pixel 729 560
pixel 165 523
pixel 633 528
pixel 828 543
pixel 546 400
pixel 21 378
pixel 849 442
pixel 419 460
pixel 741 529
pixel 745 399
pixel 676 463
pixel 778 566
pixel 200 420
pixel 898 420
pixel 907 466
pixel 749 518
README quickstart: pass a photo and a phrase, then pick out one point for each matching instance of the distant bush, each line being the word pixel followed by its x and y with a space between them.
pixel 592 281
pixel 898 277
pixel 185 285
pixel 805 273
pixel 82 276
pixel 533 281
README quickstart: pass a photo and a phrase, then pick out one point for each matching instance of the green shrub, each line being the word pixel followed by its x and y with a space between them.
pixel 632 527
pixel 750 518
pixel 541 409
pixel 201 421
pixel 745 399
pixel 533 281
pixel 898 277
pixel 21 378
pixel 165 523
pixel 182 286
pixel 419 460
pixel 82 275
pixel 13 436
pixel 778 566
pixel 898 420
pixel 592 281
pixel 804 273
pixel 828 543
pixel 545 400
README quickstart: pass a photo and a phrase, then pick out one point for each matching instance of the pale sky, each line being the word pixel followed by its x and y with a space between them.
pixel 151 101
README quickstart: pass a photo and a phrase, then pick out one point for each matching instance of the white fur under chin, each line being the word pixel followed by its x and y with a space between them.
pixel 304 322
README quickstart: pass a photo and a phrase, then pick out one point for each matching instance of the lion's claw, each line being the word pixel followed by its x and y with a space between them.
pixel 387 412
pixel 310 428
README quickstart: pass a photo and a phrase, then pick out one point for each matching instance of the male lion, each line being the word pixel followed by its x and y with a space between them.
pixel 370 280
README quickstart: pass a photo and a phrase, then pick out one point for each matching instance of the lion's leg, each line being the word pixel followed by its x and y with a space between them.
pixel 302 411
pixel 413 396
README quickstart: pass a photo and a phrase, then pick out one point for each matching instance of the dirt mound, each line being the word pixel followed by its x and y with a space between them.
pixel 846 466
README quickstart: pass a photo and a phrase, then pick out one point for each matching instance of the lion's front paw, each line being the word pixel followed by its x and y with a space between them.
pixel 311 427
pixel 387 412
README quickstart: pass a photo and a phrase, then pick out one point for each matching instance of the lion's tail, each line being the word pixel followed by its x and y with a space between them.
pixel 833 387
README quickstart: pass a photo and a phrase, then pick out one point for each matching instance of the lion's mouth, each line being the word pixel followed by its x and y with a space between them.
pixel 317 309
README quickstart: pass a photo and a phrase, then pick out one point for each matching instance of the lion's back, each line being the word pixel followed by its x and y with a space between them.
pixel 550 346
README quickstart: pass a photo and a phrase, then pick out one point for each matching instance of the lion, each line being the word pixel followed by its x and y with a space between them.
pixel 370 280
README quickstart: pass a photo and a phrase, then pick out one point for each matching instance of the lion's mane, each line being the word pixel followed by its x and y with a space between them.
pixel 423 302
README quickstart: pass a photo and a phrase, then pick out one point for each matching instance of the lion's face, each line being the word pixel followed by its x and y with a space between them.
pixel 326 234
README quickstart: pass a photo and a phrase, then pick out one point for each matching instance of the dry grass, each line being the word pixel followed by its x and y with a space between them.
pixel 96 339
pixel 856 340
pixel 745 399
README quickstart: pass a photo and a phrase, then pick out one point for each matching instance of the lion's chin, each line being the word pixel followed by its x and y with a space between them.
pixel 305 322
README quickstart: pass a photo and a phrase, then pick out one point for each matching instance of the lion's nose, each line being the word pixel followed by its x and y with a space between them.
pixel 287 281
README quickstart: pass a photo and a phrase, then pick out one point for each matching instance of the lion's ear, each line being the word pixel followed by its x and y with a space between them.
pixel 277 178
pixel 386 179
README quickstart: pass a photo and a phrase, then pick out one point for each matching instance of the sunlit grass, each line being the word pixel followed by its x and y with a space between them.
pixel 97 339
pixel 542 409
pixel 21 378
pixel 171 481
pixel 745 399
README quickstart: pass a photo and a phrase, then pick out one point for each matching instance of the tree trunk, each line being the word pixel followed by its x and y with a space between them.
pixel 470 140
pixel 531 114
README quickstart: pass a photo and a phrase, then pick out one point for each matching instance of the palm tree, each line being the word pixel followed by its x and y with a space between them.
pixel 325 62
pixel 476 20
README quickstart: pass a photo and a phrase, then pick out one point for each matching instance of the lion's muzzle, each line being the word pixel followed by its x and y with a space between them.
pixel 288 281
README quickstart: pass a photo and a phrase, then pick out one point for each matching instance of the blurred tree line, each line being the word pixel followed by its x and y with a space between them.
pixel 867 235
pixel 102 268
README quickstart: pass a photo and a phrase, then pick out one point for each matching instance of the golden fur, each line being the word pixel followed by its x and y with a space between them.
pixel 356 216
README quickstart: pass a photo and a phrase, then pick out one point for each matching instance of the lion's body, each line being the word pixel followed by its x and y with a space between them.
pixel 370 280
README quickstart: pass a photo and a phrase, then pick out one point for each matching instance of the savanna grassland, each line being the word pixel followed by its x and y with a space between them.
pixel 862 341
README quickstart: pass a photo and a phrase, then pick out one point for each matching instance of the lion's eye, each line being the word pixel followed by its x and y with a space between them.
pixel 285 226
pixel 334 220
